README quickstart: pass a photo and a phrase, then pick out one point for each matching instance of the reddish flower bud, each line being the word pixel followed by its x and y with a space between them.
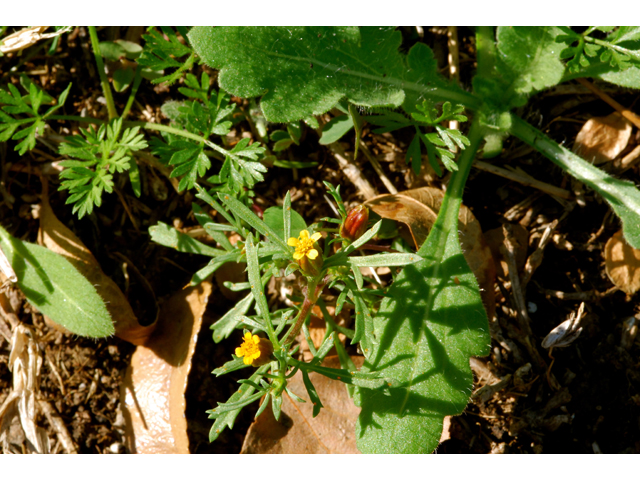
pixel 355 224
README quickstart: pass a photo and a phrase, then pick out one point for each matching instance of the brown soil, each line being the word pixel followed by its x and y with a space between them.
pixel 593 405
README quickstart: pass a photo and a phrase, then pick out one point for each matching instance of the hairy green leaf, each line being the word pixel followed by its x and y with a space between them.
pixel 426 329
pixel 57 289
pixel 305 71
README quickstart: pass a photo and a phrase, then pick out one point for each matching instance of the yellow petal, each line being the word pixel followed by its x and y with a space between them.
pixel 304 234
pixel 316 236
pixel 256 339
pixel 247 360
pixel 312 254
pixel 298 255
pixel 247 336
pixel 293 242
pixel 238 352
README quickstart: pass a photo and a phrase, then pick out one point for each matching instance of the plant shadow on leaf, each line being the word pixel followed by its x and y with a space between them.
pixel 434 310
pixel 20 265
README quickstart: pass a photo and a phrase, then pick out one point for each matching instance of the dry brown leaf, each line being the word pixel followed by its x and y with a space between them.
pixel 54 235
pixel 418 209
pixel 495 239
pixel 155 382
pixel 602 139
pixel 332 431
pixel 622 263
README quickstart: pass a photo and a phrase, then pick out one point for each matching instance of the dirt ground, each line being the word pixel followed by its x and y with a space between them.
pixel 583 398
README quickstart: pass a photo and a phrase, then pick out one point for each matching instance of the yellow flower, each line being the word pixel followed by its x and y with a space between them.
pixel 304 245
pixel 255 351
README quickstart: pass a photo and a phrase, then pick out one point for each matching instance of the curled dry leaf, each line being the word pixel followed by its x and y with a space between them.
pixel 602 139
pixel 565 333
pixel 153 389
pixel 419 208
pixel 622 263
pixel 54 235
pixel 332 431
pixel 25 362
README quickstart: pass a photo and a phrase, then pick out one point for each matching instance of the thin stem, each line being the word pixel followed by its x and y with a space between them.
pixel 104 81
pixel 76 118
pixel 313 291
pixel 134 89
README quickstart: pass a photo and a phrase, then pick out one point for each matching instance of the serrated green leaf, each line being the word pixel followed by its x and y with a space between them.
pixel 311 68
pixel 426 328
pixel 530 60
pixel 54 286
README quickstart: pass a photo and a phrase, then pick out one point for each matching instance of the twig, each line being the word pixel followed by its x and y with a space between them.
pixel 625 112
pixel 525 180
pixel 535 259
pixel 58 425
pixel 524 322
pixel 349 167
pixel 378 168
pixel 352 171
pixel 590 295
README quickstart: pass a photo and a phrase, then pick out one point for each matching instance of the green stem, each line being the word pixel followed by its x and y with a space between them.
pixel 134 89
pixel 453 199
pixel 623 196
pixel 104 81
pixel 76 118
pixel 183 133
pixel 486 48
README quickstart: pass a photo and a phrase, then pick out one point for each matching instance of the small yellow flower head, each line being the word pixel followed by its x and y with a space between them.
pixel 304 245
pixel 306 254
pixel 255 351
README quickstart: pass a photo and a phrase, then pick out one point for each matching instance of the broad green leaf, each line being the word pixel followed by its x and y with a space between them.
pixel 305 71
pixel 427 327
pixel 621 195
pixel 626 78
pixel 273 216
pixel 335 129
pixel 54 286
pixel 530 59
pixel 172 238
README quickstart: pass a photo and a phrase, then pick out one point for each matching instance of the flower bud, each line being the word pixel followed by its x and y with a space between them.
pixel 355 224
